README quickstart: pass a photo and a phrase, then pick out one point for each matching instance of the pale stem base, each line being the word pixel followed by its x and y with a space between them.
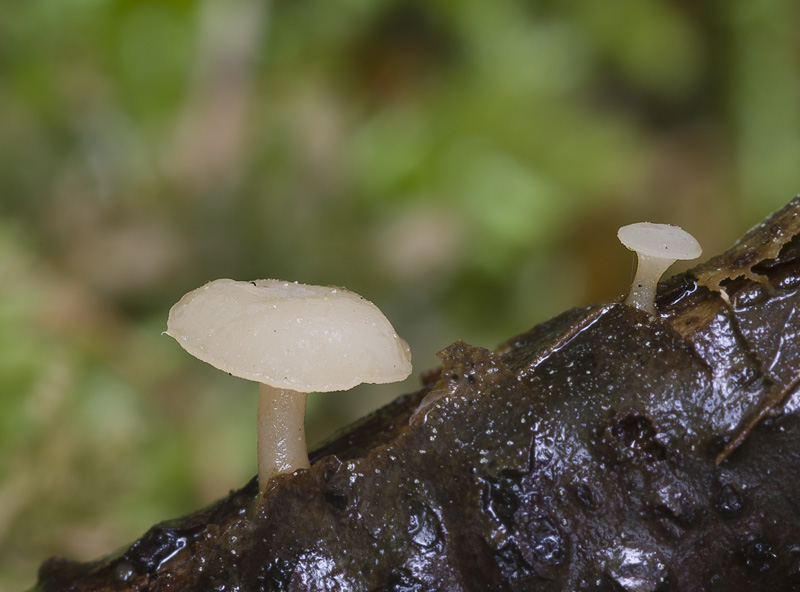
pixel 643 289
pixel 281 433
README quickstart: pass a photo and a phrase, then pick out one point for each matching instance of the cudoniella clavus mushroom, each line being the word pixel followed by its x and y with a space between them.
pixel 657 246
pixel 292 339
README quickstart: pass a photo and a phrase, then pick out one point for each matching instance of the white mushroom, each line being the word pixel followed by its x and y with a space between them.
pixel 292 339
pixel 657 246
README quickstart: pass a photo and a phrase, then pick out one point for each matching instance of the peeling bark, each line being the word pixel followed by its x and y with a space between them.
pixel 602 450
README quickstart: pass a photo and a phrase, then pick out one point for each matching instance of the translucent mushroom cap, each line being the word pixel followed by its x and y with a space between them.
pixel 289 335
pixel 661 241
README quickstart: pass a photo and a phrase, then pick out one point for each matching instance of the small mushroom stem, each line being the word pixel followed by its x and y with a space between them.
pixel 281 433
pixel 643 289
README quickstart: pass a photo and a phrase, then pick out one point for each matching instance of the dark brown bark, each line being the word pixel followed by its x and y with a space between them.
pixel 602 450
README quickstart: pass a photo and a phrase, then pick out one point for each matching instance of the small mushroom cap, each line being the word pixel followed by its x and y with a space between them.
pixel 660 240
pixel 289 335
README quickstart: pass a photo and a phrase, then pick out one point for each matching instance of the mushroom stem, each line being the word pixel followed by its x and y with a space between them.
pixel 281 433
pixel 643 289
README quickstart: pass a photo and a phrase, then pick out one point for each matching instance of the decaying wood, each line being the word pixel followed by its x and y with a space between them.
pixel 602 450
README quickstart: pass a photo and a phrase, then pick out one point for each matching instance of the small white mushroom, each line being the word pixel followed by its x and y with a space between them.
pixel 293 339
pixel 657 246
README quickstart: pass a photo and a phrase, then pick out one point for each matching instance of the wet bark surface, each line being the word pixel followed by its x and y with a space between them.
pixel 603 450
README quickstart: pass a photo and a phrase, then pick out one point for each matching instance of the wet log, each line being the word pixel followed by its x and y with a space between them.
pixel 603 450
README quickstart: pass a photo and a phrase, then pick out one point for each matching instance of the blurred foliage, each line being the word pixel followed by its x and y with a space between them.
pixel 465 165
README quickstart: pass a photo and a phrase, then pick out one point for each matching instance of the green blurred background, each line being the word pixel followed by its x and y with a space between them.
pixel 464 165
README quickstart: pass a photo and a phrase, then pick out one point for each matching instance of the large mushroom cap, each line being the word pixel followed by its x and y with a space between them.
pixel 659 240
pixel 289 335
